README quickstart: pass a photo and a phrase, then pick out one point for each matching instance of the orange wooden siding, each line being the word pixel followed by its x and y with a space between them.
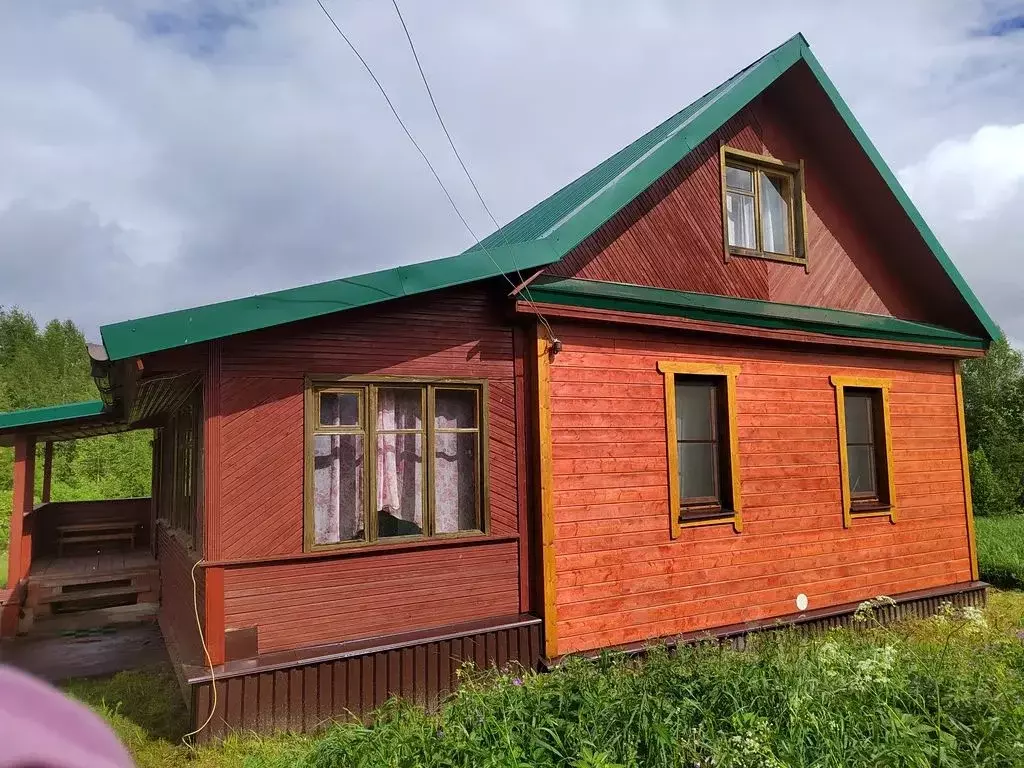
pixel 620 576
pixel 459 334
pixel 670 236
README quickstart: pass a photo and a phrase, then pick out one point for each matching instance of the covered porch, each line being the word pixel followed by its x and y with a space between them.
pixel 72 565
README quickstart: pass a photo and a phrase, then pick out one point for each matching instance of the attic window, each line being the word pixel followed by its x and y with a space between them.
pixel 763 207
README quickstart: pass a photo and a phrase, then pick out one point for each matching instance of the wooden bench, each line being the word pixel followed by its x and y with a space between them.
pixel 84 533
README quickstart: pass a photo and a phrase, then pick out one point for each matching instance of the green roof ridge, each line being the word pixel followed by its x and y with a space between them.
pixel 539 237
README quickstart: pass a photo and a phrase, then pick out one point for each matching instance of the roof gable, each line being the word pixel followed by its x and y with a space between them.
pixel 537 238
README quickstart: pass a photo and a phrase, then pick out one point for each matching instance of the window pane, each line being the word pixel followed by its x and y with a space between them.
pixel 695 406
pixel 776 197
pixel 399 475
pixel 455 481
pixel 399 409
pixel 339 409
pixel 862 470
pixel 739 178
pixel 337 488
pixel 455 409
pixel 740 209
pixel 697 476
pixel 858 418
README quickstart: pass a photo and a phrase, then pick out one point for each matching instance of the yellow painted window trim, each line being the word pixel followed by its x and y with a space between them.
pixel 669 369
pixel 841 383
pixel 965 463
pixel 798 209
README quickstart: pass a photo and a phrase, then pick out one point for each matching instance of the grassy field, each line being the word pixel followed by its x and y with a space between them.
pixel 1001 550
pixel 946 691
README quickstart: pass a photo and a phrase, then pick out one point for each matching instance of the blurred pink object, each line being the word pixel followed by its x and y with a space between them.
pixel 41 728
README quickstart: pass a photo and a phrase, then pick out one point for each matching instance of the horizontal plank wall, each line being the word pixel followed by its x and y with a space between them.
pixel 460 333
pixel 671 235
pixel 622 579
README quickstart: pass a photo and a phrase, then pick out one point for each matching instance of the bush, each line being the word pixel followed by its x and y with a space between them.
pixel 990 492
pixel 946 691
pixel 1001 550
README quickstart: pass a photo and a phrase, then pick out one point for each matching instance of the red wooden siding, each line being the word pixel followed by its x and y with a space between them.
pixel 622 579
pixel 334 600
pixel 453 334
pixel 671 235
pixel 177 612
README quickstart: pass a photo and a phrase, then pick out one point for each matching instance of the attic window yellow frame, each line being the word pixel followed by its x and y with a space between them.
pixel 794 172
pixel 669 369
pixel 888 507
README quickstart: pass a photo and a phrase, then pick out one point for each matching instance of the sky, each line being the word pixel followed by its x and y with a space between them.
pixel 159 154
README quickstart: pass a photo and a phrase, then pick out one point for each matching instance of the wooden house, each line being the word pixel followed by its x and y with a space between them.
pixel 711 384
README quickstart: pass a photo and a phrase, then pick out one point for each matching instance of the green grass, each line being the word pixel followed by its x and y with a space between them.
pixel 1001 550
pixel 3 567
pixel 945 691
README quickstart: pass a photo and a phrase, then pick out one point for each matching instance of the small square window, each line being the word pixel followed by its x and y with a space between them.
pixel 762 205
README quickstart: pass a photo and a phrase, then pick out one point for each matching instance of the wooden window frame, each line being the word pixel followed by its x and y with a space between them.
pixel 852 509
pixel 749 161
pixel 180 462
pixel 729 373
pixel 368 387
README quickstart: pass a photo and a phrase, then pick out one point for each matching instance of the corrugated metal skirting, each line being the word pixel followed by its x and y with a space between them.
pixel 309 697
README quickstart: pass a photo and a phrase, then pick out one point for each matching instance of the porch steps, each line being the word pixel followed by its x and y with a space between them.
pixel 75 594
pixel 76 622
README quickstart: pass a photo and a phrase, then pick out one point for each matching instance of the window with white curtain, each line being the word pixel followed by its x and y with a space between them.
pixel 762 206
pixel 393 460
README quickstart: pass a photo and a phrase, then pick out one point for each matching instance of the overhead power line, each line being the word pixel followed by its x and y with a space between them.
pixel 423 155
pixel 465 170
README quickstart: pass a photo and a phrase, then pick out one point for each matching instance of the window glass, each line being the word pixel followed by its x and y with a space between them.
pixel 399 408
pixel 776 194
pixel 697 471
pixel 338 476
pixel 455 409
pixel 694 411
pixel 455 481
pixel 740 210
pixel 399 474
pixel 339 409
pixel 858 418
pixel 862 470
pixel 739 178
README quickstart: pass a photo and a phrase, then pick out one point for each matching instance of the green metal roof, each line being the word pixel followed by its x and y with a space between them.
pixel 746 312
pixel 541 236
pixel 60 422
pixel 50 414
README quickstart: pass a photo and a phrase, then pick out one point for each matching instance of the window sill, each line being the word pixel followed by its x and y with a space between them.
pixel 732 519
pixel 342 551
pixel 872 510
pixel 768 256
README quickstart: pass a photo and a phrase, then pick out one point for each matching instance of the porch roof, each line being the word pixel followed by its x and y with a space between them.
pixel 61 422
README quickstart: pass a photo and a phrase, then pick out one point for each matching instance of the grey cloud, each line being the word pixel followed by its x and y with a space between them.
pixel 165 154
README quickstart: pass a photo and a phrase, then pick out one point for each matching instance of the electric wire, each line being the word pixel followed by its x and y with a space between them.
pixel 465 170
pixel 423 155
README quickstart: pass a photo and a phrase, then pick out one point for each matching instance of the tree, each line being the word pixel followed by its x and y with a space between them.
pixel 51 367
pixel 994 415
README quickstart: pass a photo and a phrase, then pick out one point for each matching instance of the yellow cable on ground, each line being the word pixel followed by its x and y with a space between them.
pixel 206 652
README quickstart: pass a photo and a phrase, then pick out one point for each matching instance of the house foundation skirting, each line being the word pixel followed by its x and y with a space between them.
pixel 909 605
pixel 307 690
